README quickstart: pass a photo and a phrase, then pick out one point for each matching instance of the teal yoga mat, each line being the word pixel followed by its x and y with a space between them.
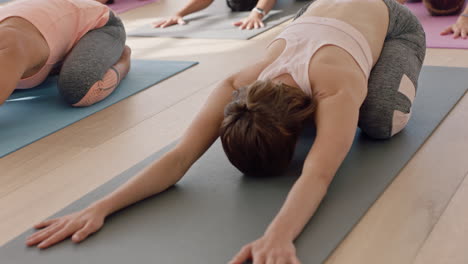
pixel 214 210
pixel 29 115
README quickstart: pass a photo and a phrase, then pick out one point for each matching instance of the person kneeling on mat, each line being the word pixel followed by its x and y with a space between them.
pixel 258 8
pixel 333 64
pixel 82 37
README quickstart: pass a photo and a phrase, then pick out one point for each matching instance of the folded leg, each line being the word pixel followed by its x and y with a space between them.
pixel 393 80
pixel 95 65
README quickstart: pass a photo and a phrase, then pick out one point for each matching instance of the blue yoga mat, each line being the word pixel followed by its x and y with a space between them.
pixel 29 115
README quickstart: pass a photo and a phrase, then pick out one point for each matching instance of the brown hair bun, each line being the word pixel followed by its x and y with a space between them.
pixel 261 126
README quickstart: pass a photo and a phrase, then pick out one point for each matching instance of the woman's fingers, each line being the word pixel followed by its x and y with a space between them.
pixel 244 24
pixel 43 234
pixel 273 260
pixel 256 24
pixel 158 23
pixel 84 232
pixel 447 31
pixel 238 23
pixel 456 33
pixel 244 254
pixel 249 24
pixel 46 230
pixel 45 223
pixel 181 21
pixel 169 22
pixel 464 33
pixel 295 260
pixel 60 235
pixel 259 258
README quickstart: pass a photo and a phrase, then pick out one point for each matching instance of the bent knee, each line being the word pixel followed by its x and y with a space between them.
pixel 71 87
pixel 376 130
pixel 385 128
pixel 386 112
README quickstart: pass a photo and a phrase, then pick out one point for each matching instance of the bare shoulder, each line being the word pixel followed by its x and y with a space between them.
pixel 250 73
pixel 329 79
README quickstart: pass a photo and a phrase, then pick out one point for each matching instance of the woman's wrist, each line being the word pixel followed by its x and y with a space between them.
pixel 259 11
pixel 179 14
pixel 277 233
pixel 256 14
pixel 101 206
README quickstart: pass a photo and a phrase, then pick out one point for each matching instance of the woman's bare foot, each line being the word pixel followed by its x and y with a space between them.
pixel 123 64
pixel 111 80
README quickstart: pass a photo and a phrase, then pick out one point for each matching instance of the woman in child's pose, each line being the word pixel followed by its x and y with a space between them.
pixel 82 39
pixel 334 64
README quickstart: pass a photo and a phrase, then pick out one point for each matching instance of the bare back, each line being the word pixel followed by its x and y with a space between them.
pixel 370 17
pixel 330 61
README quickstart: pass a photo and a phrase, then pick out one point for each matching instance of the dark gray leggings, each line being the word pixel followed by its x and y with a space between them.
pixel 394 78
pixel 90 59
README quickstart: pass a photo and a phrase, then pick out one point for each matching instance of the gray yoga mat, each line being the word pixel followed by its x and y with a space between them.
pixel 29 115
pixel 216 23
pixel 214 210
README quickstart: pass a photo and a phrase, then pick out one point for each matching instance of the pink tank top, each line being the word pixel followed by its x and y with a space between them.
pixel 62 23
pixel 305 36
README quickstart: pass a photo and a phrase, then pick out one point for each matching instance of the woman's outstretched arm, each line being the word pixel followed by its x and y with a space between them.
pixel 192 6
pixel 157 177
pixel 336 122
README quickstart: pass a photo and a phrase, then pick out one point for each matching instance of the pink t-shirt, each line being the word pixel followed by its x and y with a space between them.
pixel 62 23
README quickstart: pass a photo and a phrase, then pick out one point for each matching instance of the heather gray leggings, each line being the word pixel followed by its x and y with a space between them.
pixel 90 59
pixel 394 78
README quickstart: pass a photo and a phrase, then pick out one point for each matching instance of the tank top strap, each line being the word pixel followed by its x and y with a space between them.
pixel 286 62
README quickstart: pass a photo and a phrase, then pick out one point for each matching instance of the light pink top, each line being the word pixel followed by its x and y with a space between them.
pixel 62 23
pixel 305 36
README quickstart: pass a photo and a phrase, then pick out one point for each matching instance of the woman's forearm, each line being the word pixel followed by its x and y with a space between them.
pixel 193 6
pixel 152 180
pixel 336 120
pixel 301 203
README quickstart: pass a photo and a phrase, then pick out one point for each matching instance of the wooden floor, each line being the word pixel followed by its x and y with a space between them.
pixel 421 218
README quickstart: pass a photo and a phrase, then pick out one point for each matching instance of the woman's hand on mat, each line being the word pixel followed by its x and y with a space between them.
pixel 254 20
pixel 169 21
pixel 459 29
pixel 79 225
pixel 267 250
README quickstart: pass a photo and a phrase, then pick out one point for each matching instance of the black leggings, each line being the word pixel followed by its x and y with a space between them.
pixel 241 5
